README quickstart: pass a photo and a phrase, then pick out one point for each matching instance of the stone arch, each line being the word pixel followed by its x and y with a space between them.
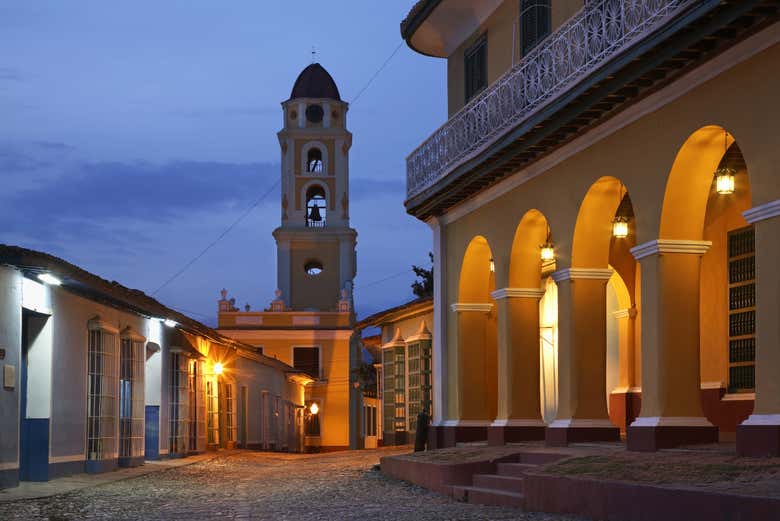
pixel 525 264
pixel 308 147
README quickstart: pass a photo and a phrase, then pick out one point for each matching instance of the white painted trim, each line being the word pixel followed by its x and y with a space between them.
pixel 581 422
pixel 518 423
pixel 738 397
pixel 712 385
pixel 729 59
pixel 67 459
pixel 769 420
pixel 671 421
pixel 287 334
pixel 762 212
pixel 13 465
pixel 503 293
pixel 635 390
pixel 660 246
pixel 582 273
pixel 98 324
pixel 622 313
pixel 440 399
pixel 620 390
pixel 449 423
pixel 459 307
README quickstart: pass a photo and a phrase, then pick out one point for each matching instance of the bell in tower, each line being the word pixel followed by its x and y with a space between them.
pixel 315 226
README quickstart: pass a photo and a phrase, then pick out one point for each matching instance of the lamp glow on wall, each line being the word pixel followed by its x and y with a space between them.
pixel 50 279
pixel 724 176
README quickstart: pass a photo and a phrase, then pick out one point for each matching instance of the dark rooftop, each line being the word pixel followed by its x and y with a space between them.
pixel 315 82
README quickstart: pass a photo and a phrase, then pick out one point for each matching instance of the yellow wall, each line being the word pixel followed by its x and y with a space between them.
pixel 641 155
pixel 314 291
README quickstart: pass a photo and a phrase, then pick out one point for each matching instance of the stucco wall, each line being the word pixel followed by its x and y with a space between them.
pixel 11 341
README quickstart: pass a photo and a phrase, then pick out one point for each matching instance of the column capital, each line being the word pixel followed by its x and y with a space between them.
pixel 582 273
pixel 459 307
pixel 762 212
pixel 503 293
pixel 661 246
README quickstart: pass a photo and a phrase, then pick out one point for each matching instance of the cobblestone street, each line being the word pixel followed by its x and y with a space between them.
pixel 253 485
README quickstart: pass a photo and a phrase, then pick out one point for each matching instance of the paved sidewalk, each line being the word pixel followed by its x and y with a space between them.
pixel 37 490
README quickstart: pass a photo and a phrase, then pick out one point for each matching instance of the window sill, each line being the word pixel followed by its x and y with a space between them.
pixel 738 397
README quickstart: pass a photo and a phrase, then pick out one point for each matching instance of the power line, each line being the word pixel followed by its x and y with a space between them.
pixel 215 241
pixel 368 83
pixel 374 283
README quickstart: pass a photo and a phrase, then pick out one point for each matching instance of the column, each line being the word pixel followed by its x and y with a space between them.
pixel 473 413
pixel 582 358
pixel 519 411
pixel 439 348
pixel 621 401
pixel 671 412
pixel 759 435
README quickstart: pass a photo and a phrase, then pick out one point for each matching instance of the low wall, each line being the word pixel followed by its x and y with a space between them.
pixel 613 501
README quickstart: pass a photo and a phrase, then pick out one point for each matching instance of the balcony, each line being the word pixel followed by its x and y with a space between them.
pixel 599 32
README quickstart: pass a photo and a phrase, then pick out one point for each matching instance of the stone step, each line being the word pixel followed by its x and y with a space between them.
pixel 497 482
pixel 540 458
pixel 516 470
pixel 488 496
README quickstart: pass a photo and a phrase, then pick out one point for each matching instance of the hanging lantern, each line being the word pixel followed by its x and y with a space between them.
pixel 620 227
pixel 724 180
pixel 724 176
pixel 492 266
pixel 548 251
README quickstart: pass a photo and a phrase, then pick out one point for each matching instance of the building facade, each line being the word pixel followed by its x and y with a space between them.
pixel 403 368
pixel 98 376
pixel 309 323
pixel 605 216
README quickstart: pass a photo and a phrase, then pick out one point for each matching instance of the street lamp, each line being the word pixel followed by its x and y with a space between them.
pixel 218 368
pixel 314 408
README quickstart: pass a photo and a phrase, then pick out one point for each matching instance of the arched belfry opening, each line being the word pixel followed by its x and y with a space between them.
pixel 316 206
pixel 314 164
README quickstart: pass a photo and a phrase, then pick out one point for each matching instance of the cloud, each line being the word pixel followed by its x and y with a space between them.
pixel 364 188
pixel 10 74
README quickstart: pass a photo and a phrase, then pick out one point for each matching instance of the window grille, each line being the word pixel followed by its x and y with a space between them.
pixel 212 414
pixel 475 66
pixel 415 396
pixel 388 392
pixel 534 23
pixel 179 417
pixel 131 398
pixel 399 423
pixel 742 309
pixel 101 395
pixel 197 405
pixel 229 424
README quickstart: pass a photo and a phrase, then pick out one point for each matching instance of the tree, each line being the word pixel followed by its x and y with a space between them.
pixel 424 287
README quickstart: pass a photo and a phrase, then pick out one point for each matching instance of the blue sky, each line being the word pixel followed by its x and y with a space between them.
pixel 133 134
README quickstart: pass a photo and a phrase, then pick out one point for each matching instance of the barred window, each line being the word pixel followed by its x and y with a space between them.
pixel 388 392
pixel 534 23
pixel 475 66
pixel 179 417
pixel 131 397
pixel 399 423
pixel 229 424
pixel 101 394
pixel 742 309
pixel 212 414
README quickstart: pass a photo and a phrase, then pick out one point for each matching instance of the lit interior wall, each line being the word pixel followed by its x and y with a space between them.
pixel 548 340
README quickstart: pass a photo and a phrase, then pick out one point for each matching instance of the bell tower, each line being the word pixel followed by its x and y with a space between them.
pixel 315 245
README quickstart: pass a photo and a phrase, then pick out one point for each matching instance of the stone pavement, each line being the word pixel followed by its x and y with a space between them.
pixel 256 485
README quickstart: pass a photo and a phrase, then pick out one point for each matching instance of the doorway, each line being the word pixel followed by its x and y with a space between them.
pixel 35 397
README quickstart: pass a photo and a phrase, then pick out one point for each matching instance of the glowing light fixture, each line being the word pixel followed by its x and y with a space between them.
pixel 548 248
pixel 218 368
pixel 620 227
pixel 50 279
pixel 724 176
pixel 314 408
pixel 170 323
pixel 492 266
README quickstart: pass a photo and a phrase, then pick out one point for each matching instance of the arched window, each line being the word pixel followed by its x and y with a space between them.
pixel 313 267
pixel 314 160
pixel 316 207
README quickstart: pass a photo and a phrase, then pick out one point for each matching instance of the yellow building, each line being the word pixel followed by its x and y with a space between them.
pixel 309 324
pixel 604 201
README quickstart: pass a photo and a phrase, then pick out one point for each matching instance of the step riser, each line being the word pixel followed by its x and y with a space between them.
pixel 517 470
pixel 540 458
pixel 479 497
pixel 508 484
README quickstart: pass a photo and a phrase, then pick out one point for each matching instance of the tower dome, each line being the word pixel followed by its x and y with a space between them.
pixel 315 82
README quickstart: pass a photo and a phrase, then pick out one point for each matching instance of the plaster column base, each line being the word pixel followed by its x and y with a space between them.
pixel 652 434
pixel 563 432
pixel 502 432
pixel 759 436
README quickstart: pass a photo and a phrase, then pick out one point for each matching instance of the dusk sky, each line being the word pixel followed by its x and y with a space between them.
pixel 133 134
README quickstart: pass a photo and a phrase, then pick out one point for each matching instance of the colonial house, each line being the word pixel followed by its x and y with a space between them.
pixel 97 376
pixel 604 199
pixel 309 324
pixel 403 369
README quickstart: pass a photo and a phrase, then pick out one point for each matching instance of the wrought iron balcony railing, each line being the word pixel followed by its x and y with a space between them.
pixel 602 30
